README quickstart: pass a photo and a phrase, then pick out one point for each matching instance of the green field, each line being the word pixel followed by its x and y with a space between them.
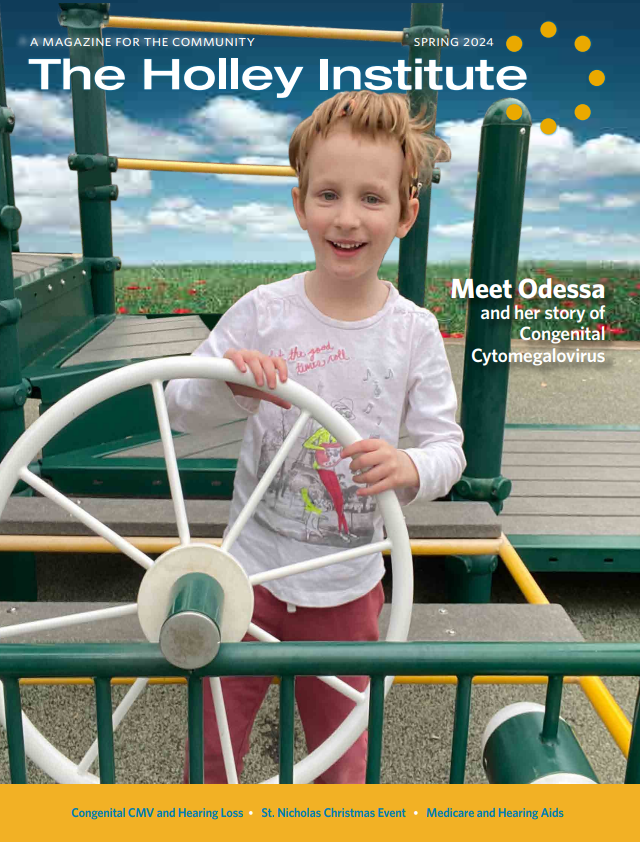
pixel 214 287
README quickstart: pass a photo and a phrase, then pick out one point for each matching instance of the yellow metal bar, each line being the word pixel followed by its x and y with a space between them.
pixel 94 544
pixel 594 688
pixel 117 22
pixel 202 166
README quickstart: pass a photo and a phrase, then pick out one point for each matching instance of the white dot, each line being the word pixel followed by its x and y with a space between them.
pixel 415 812
pixel 250 812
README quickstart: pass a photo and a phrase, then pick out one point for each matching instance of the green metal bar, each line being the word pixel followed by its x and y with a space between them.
pixel 6 147
pixel 104 714
pixel 15 735
pixel 376 721
pixel 90 131
pixel 286 738
pixel 552 709
pixel 18 578
pixel 412 270
pixel 196 729
pixel 502 169
pixel 632 774
pixel 460 730
pixel 19 660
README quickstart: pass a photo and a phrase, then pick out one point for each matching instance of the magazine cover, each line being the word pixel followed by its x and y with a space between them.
pixel 347 289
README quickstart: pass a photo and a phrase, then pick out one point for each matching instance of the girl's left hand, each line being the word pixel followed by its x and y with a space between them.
pixel 380 466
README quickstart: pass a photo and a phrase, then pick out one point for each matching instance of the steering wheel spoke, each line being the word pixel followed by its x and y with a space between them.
pixel 171 462
pixel 84 517
pixel 265 481
pixel 68 620
pixel 317 563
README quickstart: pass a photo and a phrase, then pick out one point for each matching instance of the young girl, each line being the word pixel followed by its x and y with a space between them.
pixel 353 339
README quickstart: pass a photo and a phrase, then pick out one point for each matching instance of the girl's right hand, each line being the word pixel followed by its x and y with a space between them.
pixel 262 366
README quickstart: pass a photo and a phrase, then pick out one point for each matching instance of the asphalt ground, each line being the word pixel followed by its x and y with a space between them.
pixel 418 719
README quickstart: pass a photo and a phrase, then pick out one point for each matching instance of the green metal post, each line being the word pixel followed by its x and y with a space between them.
pixel 95 191
pixel 426 20
pixel 18 574
pixel 376 721
pixel 287 697
pixel 195 707
pixel 15 735
pixel 552 709
pixel 632 775
pixel 6 147
pixel 460 730
pixel 104 722
pixel 502 170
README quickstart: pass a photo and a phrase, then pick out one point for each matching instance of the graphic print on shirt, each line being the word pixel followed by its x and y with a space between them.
pixel 313 497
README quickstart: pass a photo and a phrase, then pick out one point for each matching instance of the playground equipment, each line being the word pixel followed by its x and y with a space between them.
pixel 59 331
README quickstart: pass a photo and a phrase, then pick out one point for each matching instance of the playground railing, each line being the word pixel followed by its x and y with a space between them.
pixel 288 660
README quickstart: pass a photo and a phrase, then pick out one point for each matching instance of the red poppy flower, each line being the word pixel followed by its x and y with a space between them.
pixel 193 291
pixel 618 331
pixel 182 310
pixel 602 328
pixel 568 304
pixel 133 286
pixel 457 335
pixel 199 282
pixel 436 309
pixel 445 334
pixel 637 286
pixel 634 293
pixel 122 310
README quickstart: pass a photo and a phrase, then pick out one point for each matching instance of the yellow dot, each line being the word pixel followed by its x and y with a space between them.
pixel 596 77
pixel 583 43
pixel 548 126
pixel 582 112
pixel 548 29
pixel 514 43
pixel 514 112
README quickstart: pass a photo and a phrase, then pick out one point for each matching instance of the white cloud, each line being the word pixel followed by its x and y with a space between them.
pixel 254 220
pixel 619 201
pixel 532 233
pixel 244 126
pixel 49 116
pixel 50 176
pixel 48 214
pixel 576 198
pixel 540 204
pixel 551 157
pixel 456 230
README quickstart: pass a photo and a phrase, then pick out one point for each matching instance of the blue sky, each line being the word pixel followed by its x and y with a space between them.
pixel 583 189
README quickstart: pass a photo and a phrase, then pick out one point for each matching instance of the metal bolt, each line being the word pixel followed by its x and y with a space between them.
pixel 11 610
pixel 450 631
pixel 442 611
pixel 84 271
pixel 62 281
pixel 522 131
pixel 50 288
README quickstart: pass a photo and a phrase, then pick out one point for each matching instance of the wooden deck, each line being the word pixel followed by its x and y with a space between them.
pixel 557 488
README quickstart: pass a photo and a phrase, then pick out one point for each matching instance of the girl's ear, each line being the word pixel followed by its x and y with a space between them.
pixel 406 223
pixel 298 207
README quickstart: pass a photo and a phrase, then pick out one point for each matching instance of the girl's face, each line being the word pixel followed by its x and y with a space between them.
pixel 352 208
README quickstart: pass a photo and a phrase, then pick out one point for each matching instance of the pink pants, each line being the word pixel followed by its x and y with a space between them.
pixel 322 709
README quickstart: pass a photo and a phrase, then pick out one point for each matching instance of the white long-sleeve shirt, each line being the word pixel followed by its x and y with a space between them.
pixel 378 372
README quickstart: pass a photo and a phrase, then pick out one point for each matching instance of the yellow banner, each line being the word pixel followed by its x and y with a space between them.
pixel 307 812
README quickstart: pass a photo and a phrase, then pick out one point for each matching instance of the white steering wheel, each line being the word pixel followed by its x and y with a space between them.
pixel 191 556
